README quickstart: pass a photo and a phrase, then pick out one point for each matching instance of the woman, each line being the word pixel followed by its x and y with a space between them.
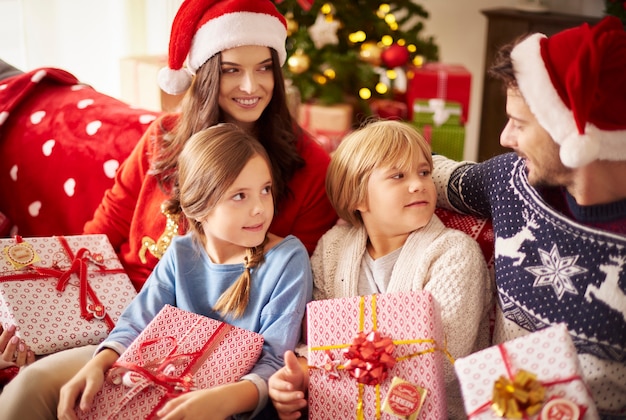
pixel 236 50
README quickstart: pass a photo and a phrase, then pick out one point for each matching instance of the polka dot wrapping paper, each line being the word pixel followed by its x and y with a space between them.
pixel 178 351
pixel 549 354
pixel 410 319
pixel 62 292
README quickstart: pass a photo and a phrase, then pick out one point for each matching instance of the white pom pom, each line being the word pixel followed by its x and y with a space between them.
pixel 579 150
pixel 174 82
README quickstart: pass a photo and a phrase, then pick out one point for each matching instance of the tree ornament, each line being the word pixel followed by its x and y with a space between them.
pixel 395 56
pixel 299 62
pixel 324 31
pixel 370 53
pixel 292 24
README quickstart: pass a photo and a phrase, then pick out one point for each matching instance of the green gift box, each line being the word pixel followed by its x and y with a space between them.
pixel 447 140
pixel 437 112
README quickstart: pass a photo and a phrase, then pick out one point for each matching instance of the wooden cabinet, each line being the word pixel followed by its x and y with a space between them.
pixel 504 26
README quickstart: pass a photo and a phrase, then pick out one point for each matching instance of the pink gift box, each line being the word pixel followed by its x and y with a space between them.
pixel 439 80
pixel 409 319
pixel 178 351
pixel 62 292
pixel 549 354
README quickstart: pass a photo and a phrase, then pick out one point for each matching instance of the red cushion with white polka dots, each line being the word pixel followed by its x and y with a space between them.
pixel 61 143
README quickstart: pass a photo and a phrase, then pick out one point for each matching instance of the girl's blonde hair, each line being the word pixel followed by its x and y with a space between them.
pixel 378 143
pixel 208 165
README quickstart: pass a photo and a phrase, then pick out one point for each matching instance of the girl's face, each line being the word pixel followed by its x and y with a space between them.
pixel 241 218
pixel 399 202
pixel 246 83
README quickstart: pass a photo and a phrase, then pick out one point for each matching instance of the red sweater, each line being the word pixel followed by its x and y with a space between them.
pixel 131 209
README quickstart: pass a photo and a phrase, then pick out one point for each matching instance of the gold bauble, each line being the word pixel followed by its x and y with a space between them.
pixel 292 24
pixel 370 53
pixel 299 62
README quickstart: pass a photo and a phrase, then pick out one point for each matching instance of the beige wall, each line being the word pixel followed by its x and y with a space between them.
pixel 89 37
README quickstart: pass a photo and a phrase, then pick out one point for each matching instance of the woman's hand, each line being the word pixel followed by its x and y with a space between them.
pixel 83 387
pixel 13 350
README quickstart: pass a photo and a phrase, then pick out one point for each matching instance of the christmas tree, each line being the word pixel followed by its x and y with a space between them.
pixel 352 51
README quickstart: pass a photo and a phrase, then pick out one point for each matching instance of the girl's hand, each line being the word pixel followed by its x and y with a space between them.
pixel 287 388
pixel 84 386
pixel 219 402
pixel 14 351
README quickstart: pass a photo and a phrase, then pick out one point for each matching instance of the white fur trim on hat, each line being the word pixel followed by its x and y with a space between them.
pixel 236 29
pixel 555 117
pixel 174 82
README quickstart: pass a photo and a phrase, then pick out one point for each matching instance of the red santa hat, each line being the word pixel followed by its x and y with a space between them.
pixel 202 28
pixel 574 83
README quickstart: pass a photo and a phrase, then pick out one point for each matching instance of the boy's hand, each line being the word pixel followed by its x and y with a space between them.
pixel 287 388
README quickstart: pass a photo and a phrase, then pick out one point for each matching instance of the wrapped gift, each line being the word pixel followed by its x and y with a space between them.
pixel 360 346
pixel 177 352
pixel 451 82
pixel 447 140
pixel 389 109
pixel 436 112
pixel 62 292
pixel 327 123
pixel 537 376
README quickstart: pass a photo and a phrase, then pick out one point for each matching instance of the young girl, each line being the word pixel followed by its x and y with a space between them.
pixel 379 181
pixel 228 268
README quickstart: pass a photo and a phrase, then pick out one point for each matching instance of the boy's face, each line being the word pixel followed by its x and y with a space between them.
pixel 399 202
pixel 531 141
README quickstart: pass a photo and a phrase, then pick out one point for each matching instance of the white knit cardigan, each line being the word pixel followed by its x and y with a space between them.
pixel 446 262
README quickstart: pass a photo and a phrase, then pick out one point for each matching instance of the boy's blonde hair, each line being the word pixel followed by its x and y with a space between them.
pixel 208 165
pixel 378 143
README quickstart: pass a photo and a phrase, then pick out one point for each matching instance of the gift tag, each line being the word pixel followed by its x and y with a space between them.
pixel 404 399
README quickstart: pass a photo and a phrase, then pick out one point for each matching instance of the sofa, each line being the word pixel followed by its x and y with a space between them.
pixel 61 142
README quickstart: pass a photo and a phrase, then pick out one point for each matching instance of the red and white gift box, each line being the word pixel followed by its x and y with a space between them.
pixel 549 354
pixel 62 291
pixel 442 81
pixel 178 351
pixel 409 319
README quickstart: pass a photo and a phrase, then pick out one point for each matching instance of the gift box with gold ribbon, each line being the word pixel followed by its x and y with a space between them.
pixel 177 352
pixel 378 356
pixel 537 376
pixel 62 291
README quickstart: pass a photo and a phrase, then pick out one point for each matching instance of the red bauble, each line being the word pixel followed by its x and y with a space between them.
pixel 395 56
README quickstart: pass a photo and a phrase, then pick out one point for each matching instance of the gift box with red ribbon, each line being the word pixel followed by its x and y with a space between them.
pixel 327 123
pixel 63 291
pixel 177 352
pixel 452 82
pixel 537 376
pixel 359 346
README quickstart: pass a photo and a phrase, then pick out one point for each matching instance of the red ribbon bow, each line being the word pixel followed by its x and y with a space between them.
pixel 369 357
pixel 80 266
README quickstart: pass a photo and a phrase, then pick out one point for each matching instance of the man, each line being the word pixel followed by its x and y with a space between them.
pixel 558 203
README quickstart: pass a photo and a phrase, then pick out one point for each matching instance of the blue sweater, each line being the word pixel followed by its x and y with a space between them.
pixel 187 278
pixel 551 268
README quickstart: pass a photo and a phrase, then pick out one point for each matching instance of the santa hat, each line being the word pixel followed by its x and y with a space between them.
pixel 574 83
pixel 202 28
